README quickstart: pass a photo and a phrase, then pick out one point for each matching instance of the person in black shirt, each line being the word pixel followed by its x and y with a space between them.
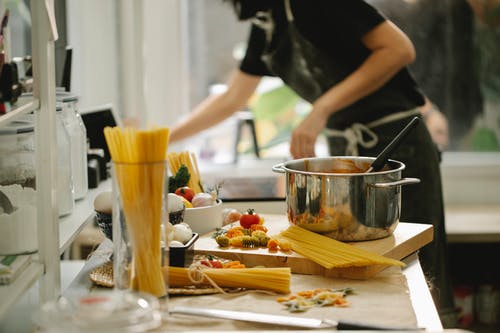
pixel 349 62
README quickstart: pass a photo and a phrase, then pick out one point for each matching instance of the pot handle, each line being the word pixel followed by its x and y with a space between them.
pixel 404 181
pixel 278 168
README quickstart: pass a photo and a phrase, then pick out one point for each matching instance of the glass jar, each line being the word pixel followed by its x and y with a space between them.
pixel 106 311
pixel 17 154
pixel 65 184
pixel 65 187
pixel 17 182
pixel 78 142
pixel 139 227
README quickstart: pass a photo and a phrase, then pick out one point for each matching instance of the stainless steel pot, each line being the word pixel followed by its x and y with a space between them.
pixel 333 196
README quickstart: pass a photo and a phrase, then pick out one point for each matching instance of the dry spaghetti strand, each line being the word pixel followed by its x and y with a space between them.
pixel 139 160
pixel 274 279
pixel 331 253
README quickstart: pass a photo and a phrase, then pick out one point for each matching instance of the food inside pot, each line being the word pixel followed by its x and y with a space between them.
pixel 335 196
pixel 341 165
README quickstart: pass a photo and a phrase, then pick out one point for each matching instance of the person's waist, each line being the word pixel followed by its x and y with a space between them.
pixel 365 134
pixel 375 106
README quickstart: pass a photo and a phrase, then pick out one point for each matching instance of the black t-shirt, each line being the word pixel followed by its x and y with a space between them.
pixel 336 27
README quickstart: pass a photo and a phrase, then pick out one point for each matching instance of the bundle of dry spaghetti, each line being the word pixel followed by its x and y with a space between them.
pixel 268 279
pixel 140 170
pixel 331 253
pixel 175 160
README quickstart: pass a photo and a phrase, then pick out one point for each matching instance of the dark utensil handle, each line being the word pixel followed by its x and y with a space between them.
pixel 384 155
pixel 353 326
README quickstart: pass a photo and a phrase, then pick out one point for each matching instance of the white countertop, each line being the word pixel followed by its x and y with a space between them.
pixel 473 223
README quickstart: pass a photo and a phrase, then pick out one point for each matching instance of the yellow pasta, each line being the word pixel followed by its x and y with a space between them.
pixel 139 161
pixel 331 253
pixel 269 279
pixel 175 160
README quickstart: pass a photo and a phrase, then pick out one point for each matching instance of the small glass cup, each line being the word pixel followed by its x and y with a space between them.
pixel 139 225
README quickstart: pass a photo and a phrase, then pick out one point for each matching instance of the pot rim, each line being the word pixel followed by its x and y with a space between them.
pixel 285 166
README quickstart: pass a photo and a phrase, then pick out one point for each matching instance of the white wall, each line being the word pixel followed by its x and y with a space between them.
pixel 92 34
pixel 165 61
pixel 130 53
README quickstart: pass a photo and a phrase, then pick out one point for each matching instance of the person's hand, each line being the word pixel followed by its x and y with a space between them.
pixel 438 127
pixel 304 136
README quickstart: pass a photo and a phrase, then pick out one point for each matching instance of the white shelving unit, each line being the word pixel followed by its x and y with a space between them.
pixel 54 235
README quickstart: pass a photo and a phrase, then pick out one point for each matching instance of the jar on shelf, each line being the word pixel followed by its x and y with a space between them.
pixel 78 142
pixel 17 183
pixel 64 179
pixel 65 184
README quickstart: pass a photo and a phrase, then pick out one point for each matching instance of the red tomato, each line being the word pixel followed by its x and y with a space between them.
pixel 249 218
pixel 185 192
pixel 212 263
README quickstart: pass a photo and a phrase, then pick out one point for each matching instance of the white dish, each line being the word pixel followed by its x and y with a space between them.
pixel 204 219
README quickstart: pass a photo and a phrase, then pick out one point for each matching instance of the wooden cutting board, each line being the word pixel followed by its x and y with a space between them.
pixel 406 239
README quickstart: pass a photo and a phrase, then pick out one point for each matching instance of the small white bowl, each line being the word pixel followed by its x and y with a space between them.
pixel 204 219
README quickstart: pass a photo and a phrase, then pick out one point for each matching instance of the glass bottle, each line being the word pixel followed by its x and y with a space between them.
pixel 78 142
pixel 65 185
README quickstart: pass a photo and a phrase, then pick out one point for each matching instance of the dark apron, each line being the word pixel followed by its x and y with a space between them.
pixel 310 73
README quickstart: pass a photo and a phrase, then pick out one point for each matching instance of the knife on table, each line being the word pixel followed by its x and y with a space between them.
pixel 283 320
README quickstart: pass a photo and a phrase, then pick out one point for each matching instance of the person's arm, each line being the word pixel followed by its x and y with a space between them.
pixel 215 109
pixel 487 11
pixel 391 50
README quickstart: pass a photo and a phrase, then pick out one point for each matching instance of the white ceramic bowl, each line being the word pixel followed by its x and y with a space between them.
pixel 203 220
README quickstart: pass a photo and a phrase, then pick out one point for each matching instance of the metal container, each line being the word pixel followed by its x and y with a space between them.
pixel 335 197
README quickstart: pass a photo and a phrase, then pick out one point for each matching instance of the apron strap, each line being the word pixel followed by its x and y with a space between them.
pixel 288 10
pixel 264 20
pixel 355 134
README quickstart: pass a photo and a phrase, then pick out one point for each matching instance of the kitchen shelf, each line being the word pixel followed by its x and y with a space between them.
pixel 23 105
pixel 69 228
pixel 44 271
pixel 10 294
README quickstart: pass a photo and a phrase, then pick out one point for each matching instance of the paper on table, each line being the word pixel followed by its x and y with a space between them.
pixel 382 300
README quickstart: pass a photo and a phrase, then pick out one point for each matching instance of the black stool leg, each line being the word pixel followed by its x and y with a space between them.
pixel 237 139
pixel 251 123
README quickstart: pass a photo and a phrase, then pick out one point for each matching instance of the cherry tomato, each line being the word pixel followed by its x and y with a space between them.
pixel 212 263
pixel 185 192
pixel 249 218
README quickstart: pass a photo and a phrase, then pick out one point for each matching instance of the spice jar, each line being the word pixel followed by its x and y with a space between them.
pixel 17 182
pixel 78 142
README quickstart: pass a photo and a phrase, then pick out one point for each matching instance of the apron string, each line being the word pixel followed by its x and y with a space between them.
pixel 355 134
pixel 264 21
pixel 288 10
